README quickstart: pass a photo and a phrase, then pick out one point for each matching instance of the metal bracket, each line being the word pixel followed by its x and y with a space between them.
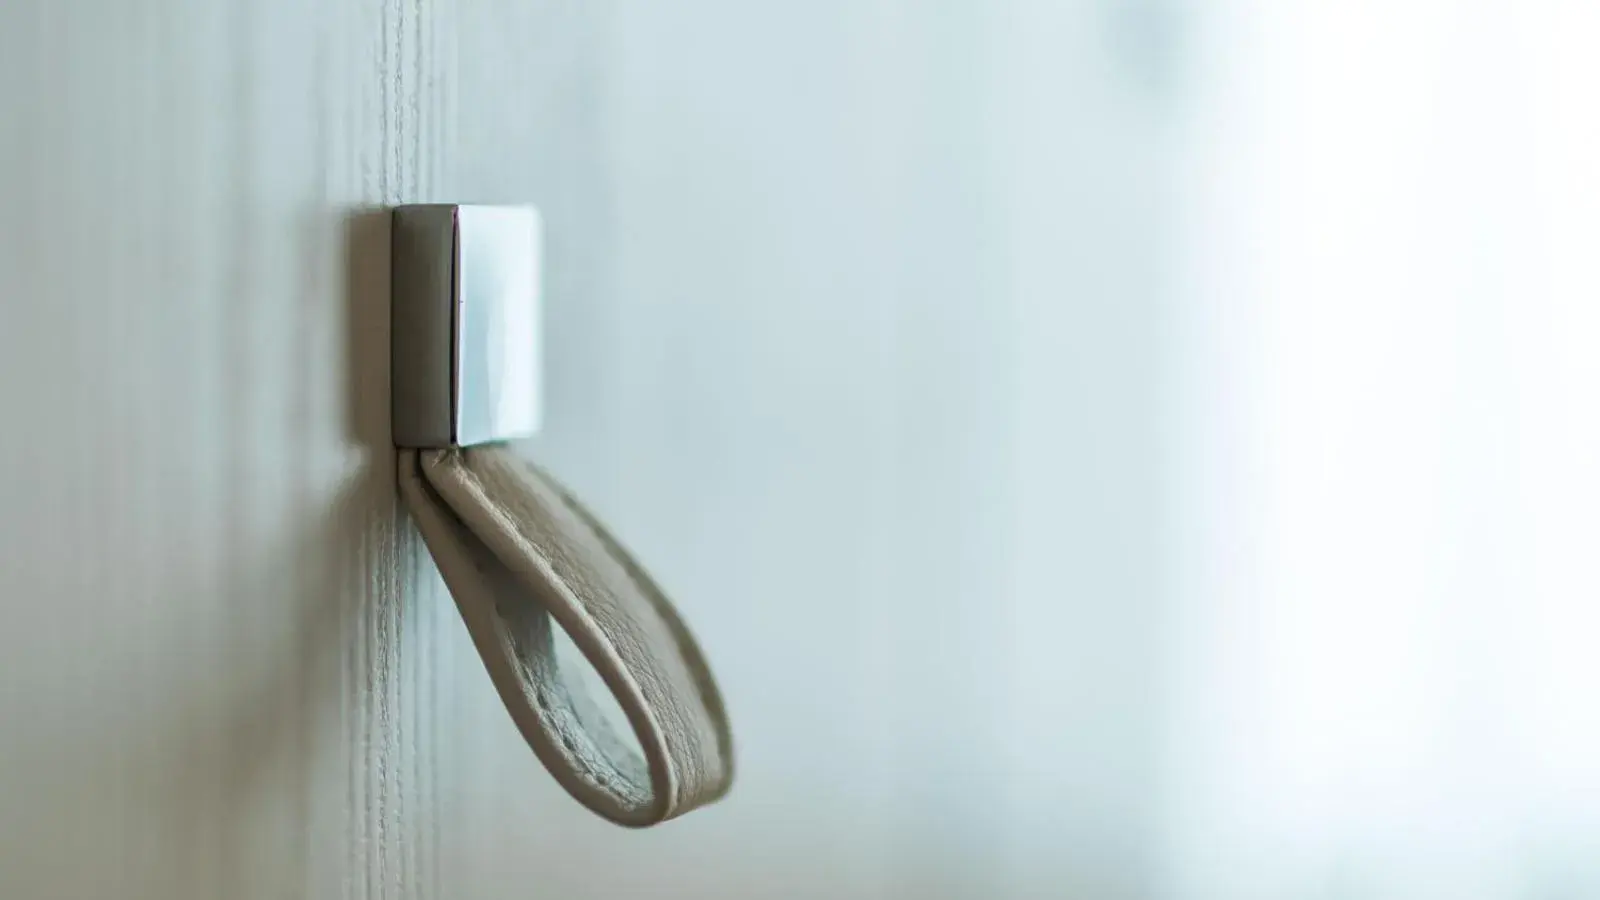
pixel 465 321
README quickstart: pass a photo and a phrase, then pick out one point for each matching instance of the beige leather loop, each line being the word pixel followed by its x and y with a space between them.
pixel 516 551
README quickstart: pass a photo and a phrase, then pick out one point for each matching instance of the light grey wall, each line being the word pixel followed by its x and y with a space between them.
pixel 784 359
pixel 816 269
pixel 1108 449
pixel 877 380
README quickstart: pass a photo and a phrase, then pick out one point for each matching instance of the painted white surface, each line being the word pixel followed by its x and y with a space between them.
pixel 1146 445
pixel 1388 483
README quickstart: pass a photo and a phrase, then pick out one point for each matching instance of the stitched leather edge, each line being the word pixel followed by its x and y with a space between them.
pixel 466 504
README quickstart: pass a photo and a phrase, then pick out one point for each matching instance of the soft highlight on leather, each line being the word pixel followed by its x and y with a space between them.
pixel 517 552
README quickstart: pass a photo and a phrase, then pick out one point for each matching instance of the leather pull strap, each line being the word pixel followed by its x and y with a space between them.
pixel 517 551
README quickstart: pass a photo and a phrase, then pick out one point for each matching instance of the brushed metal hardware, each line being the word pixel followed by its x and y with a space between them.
pixel 466 324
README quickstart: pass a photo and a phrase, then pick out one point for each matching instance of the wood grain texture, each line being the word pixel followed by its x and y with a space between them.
pixel 219 653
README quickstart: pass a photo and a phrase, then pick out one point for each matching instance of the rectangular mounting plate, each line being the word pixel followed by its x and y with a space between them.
pixel 465 319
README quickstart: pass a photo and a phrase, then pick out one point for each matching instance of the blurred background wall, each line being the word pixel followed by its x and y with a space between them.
pixel 1171 416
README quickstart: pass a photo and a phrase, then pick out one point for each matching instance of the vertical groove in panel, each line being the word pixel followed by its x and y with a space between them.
pixel 382 71
pixel 399 714
pixel 252 703
pixel 433 124
pixel 428 119
pixel 373 134
pixel 402 65
pixel 436 125
pixel 413 67
pixel 386 811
